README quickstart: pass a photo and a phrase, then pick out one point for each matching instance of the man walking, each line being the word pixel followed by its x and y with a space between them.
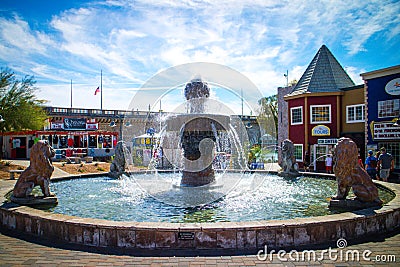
pixel 386 164
pixel 371 164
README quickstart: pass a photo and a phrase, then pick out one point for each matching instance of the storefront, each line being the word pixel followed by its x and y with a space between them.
pixel 383 108
pixel 68 137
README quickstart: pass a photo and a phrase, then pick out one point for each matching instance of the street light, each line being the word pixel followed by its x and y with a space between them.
pixel 2 137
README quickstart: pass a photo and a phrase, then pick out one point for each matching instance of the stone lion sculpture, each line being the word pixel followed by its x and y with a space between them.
pixel 288 163
pixel 349 173
pixel 121 160
pixel 38 172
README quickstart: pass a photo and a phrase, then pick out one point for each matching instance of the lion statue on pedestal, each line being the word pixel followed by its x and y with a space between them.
pixel 289 165
pixel 122 159
pixel 38 172
pixel 349 174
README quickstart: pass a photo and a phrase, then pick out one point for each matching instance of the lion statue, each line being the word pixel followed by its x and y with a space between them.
pixel 349 173
pixel 38 172
pixel 288 163
pixel 121 160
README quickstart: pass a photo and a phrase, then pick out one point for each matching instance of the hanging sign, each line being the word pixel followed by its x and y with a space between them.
pixel 321 130
pixel 329 141
pixel 74 124
pixel 393 87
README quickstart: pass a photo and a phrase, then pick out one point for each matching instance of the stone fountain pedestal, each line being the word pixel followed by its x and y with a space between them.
pixel 196 133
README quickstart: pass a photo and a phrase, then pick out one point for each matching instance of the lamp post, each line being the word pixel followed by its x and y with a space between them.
pixel 2 137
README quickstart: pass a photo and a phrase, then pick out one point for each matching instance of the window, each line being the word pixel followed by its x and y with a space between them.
pixel 296 115
pixel 389 108
pixel 298 152
pixel 320 114
pixel 355 113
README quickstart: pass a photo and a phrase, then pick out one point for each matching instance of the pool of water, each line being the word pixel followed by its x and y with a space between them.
pixel 250 197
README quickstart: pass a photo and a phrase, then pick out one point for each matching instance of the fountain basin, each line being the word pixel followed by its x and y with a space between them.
pixel 220 236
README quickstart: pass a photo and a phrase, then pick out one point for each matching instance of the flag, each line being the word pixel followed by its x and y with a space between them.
pixel 97 91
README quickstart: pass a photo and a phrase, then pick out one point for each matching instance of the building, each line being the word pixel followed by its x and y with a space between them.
pixel 317 106
pixel 95 132
pixel 382 99
pixel 283 118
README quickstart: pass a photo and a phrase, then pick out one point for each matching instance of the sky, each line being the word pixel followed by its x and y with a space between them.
pixel 122 44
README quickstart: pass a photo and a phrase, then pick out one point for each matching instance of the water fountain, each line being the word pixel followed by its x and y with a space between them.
pixel 198 133
pixel 260 210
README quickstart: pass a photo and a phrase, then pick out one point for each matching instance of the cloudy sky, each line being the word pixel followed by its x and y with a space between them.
pixel 131 41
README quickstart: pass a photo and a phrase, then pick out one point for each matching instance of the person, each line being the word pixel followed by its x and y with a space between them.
pixel 370 164
pixel 386 164
pixel 377 154
pixel 328 164
pixel 360 161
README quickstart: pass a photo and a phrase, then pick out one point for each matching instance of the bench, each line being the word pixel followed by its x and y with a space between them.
pixel 13 172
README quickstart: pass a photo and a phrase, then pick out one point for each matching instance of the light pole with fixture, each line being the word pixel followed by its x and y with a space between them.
pixel 2 137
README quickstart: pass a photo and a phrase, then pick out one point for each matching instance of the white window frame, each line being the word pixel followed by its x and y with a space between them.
pixel 355 107
pixel 318 106
pixel 291 115
pixel 302 151
pixel 381 103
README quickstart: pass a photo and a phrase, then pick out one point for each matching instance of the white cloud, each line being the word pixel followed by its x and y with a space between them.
pixel 131 41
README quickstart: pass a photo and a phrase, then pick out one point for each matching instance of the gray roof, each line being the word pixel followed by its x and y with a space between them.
pixel 324 74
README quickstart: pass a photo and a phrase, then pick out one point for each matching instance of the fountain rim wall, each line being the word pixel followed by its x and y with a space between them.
pixel 220 236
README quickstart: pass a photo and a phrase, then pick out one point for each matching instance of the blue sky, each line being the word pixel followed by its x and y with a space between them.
pixel 131 41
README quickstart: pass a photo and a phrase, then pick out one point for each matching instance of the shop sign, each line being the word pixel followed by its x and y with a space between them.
pixel 92 126
pixel 386 130
pixel 393 87
pixel 56 125
pixel 321 130
pixel 75 124
pixel 330 141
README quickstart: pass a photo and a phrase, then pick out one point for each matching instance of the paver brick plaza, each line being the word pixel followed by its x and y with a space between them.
pixel 15 251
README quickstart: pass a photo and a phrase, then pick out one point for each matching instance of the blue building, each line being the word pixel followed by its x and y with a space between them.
pixel 382 128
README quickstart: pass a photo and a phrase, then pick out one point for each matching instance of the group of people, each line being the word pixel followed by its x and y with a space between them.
pixel 380 165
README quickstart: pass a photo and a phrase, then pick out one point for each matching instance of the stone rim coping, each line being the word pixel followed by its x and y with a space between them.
pixel 219 235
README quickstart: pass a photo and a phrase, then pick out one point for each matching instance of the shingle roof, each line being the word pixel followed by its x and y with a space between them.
pixel 324 74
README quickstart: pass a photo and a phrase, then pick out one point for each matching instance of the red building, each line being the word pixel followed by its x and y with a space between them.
pixel 314 109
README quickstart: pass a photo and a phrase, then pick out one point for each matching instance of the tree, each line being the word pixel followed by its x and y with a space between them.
pixel 269 110
pixel 19 107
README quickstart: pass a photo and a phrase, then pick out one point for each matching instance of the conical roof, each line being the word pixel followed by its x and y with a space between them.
pixel 324 74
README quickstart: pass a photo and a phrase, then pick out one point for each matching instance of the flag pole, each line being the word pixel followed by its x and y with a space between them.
pixel 101 89
pixel 71 93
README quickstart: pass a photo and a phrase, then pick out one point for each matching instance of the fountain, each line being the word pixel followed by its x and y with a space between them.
pixel 198 133
pixel 137 213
